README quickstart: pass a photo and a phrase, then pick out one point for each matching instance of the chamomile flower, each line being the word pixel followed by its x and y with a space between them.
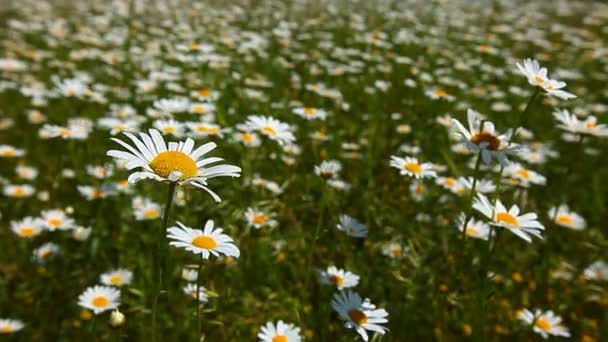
pixel 45 252
pixel 450 183
pixel 170 127
pixel 393 250
pixel 26 172
pixel 209 241
pixel 118 277
pixel 523 176
pixel 259 219
pixel 538 77
pixel 57 219
pixel 310 113
pixel 544 323
pixel 201 108
pixel 28 227
pixel 172 106
pixel 482 137
pixel 7 151
pixel 570 123
pixel 279 332
pixel 524 226
pixel 564 217
pixel 247 138
pixel 328 169
pixel 473 228
pixel 352 227
pixel 191 291
pixel 359 314
pixel 175 162
pixel 342 279
pixel 19 191
pixel 100 299
pixel 271 128
pixel 144 209
pixel 412 167
pixel 10 326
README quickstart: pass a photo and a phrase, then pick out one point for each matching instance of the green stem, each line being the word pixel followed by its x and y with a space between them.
pixel 198 293
pixel 471 198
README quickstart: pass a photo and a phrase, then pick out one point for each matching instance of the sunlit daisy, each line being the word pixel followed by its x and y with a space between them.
pixel 393 250
pixel 523 176
pixel 9 326
pixel 310 113
pixel 538 77
pixel 7 151
pixel 473 228
pixel 175 162
pixel 544 323
pixel 359 314
pixel 272 128
pixel 118 277
pixel 209 241
pixel 28 227
pixel 259 219
pixel 570 123
pixel 352 227
pixel 564 217
pixel 342 279
pixel 100 299
pixel 19 191
pixel 412 167
pixel 279 332
pixel 57 220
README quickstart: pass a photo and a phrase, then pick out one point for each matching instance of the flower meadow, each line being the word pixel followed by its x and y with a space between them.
pixel 284 171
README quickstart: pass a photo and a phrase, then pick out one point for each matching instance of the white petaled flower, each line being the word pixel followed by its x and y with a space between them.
pixel 170 127
pixel 272 128
pixel 7 151
pixel 174 162
pixel 564 217
pixel 310 113
pixel 393 250
pixel 191 291
pixel 9 326
pixel 473 228
pixel 598 271
pixel 57 220
pixel 523 176
pixel 352 227
pixel 412 167
pixel 146 210
pixel 328 169
pixel 258 219
pixel 538 77
pixel 279 332
pixel 342 279
pixel 209 241
pixel 45 252
pixel 483 186
pixel 19 191
pixel 100 298
pixel 359 314
pixel 544 323
pixel 521 225
pixel 118 277
pixel 570 123
pixel 28 227
pixel 171 106
pixel 201 108
pixel 482 137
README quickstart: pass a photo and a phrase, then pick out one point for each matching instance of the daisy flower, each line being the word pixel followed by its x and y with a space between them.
pixel 352 227
pixel 57 220
pixel 564 217
pixel 171 106
pixel 483 186
pixel 175 162
pixel 272 128
pixel 99 298
pixel 310 113
pixel 28 227
pixel 570 123
pixel 8 151
pixel 279 332
pixel 537 76
pixel 144 209
pixel 19 191
pixel 481 136
pixel 204 129
pixel 392 250
pixel 118 277
pixel 170 127
pixel 342 279
pixel 473 228
pixel 598 271
pixel 411 167
pixel 247 138
pixel 191 291
pixel 523 176
pixel 521 225
pixel 544 323
pixel 209 241
pixel 359 314
pixel 328 169
pixel 26 172
pixel 258 219
pixel 43 253
pixel 201 108
pixel 450 183
pixel 9 326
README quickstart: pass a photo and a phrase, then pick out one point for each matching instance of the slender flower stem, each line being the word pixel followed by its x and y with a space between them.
pixel 471 198
pixel 198 295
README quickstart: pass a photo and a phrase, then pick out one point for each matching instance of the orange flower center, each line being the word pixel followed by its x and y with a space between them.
pixel 204 242
pixel 338 280
pixel 260 219
pixel 100 302
pixel 358 316
pixel 507 218
pixel 27 231
pixel 565 219
pixel 280 338
pixel 543 324
pixel 493 143
pixel 270 131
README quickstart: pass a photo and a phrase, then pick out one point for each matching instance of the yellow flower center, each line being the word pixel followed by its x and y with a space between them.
pixel 338 280
pixel 396 251
pixel 204 242
pixel 100 302
pixel 565 219
pixel 472 231
pixel 591 125
pixel 204 92
pixel 310 111
pixel 208 130
pixel 413 167
pixel 260 219
pixel 168 162
pixel 507 218
pixel 27 231
pixel 449 181
pixel 440 92
pixel 9 153
pixel 280 338
pixel 270 131
pixel 19 192
pixel 116 279
pixel 358 316
pixel 195 46
pixel 524 173
pixel 6 329
pixel 248 137
pixel 543 324
pixel 55 222
pixel 151 213
pixel 539 79
pixel 493 143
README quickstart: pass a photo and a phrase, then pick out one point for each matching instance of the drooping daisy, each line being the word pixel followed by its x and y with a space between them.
pixel 28 227
pixel 57 219
pixel 352 227
pixel 538 77
pixel 177 162
pixel 310 113
pixel 10 326
pixel 564 217
pixel 521 225
pixel 359 314
pixel 191 291
pixel 209 241
pixel 272 128
pixel 473 228
pixel 279 332
pixel 99 298
pixel 19 191
pixel 118 277
pixel 544 323
pixel 258 219
pixel 342 279
pixel 45 252
pixel 481 136
pixel 412 167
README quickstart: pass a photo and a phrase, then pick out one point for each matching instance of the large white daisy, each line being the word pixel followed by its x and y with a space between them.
pixel 99 299
pixel 208 241
pixel 359 314
pixel 281 332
